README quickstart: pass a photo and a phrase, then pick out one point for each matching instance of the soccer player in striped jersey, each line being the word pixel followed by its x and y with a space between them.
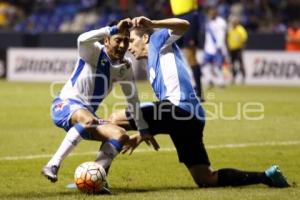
pixel 215 49
pixel 99 66
pixel 178 112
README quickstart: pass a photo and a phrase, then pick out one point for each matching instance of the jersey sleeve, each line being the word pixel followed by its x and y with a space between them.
pixel 162 38
pixel 88 43
pixel 131 94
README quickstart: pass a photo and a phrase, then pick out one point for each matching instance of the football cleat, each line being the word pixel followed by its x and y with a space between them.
pixel 71 186
pixel 278 180
pixel 50 172
pixel 105 191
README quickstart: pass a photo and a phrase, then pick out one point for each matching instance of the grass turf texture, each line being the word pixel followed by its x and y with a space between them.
pixel 27 130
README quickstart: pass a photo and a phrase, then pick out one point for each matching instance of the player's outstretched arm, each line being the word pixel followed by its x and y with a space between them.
pixel 87 42
pixel 99 34
pixel 176 25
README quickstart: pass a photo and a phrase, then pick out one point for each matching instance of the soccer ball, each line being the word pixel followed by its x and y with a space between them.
pixel 90 177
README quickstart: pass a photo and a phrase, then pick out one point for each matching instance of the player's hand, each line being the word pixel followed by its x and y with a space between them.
pixel 133 142
pixel 124 24
pixel 150 141
pixel 142 22
pixel 136 139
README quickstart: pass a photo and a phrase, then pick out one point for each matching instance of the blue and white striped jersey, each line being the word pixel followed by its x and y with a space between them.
pixel 93 77
pixel 215 36
pixel 168 74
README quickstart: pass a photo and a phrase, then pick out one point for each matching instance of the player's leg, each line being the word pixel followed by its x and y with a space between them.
pixel 120 118
pixel 86 126
pixel 61 113
pixel 190 54
pixel 242 67
pixel 96 128
pixel 112 136
pixel 204 176
pixel 206 67
pixel 71 140
pixel 233 67
pixel 191 151
pixel 189 146
pixel 115 139
pixel 188 43
pixel 218 69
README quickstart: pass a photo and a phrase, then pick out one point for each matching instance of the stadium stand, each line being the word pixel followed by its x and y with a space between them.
pixel 76 16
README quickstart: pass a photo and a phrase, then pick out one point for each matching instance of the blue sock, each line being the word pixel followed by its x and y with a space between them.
pixel 82 131
pixel 117 144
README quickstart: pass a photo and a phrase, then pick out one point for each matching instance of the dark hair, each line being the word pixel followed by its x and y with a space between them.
pixel 112 23
pixel 140 31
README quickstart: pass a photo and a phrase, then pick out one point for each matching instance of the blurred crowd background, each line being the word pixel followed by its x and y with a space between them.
pixel 69 16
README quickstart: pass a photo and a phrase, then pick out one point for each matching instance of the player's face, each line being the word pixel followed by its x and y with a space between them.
pixel 117 45
pixel 137 46
pixel 212 13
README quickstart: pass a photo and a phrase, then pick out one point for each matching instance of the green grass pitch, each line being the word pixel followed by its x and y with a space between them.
pixel 28 138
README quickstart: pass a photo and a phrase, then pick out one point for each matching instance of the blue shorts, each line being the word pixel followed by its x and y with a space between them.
pixel 217 59
pixel 190 37
pixel 62 111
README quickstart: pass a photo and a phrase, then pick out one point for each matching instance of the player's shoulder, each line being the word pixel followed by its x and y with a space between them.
pixel 221 20
pixel 161 39
pixel 159 34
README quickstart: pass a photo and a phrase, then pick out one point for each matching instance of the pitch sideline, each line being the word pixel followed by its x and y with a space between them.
pixel 242 145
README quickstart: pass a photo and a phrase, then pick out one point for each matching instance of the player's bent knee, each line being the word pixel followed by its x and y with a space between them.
pixel 121 133
pixel 124 138
pixel 117 133
pixel 204 176
pixel 205 182
pixel 89 122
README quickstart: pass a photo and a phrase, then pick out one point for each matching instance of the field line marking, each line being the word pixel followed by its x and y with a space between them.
pixel 228 146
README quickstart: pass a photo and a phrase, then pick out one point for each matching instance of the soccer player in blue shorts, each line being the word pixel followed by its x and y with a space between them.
pixel 178 112
pixel 99 66
pixel 215 49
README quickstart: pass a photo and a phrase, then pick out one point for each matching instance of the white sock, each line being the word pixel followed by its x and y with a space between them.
pixel 220 81
pixel 207 74
pixel 106 155
pixel 70 141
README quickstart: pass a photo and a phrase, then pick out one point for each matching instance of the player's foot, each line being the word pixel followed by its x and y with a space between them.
pixel 71 186
pixel 210 85
pixel 105 191
pixel 278 180
pixel 50 172
pixel 200 98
